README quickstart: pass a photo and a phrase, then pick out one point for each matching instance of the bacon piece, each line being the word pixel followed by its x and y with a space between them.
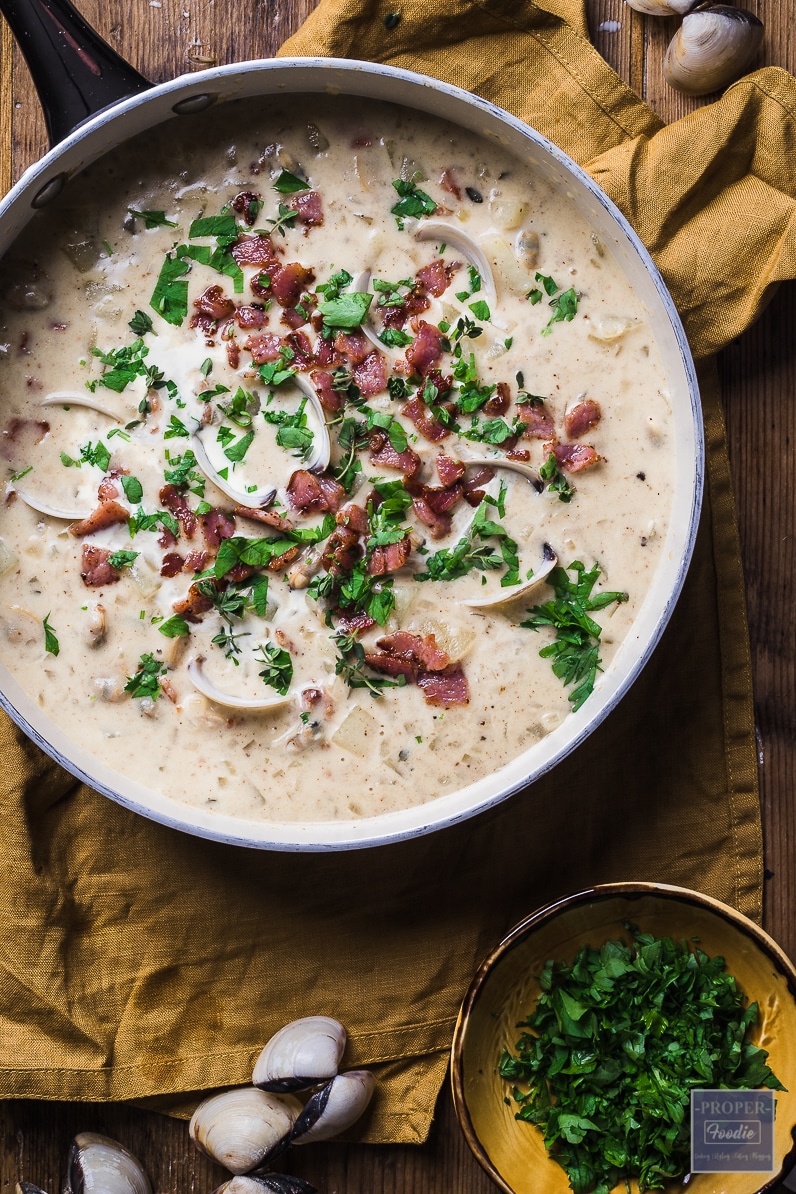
pixel 426 349
pixel 193 605
pixel 295 317
pixel 409 655
pixel 289 282
pixel 172 564
pixel 520 454
pixel 353 623
pixel 214 303
pixel 107 489
pixel 247 204
pixel 306 491
pixel 271 518
pixel 175 501
pixel 254 250
pixel 582 418
pixel 384 455
pixel 195 561
pixel 445 688
pixel 341 551
pixel 436 277
pixel 167 538
pixel 425 422
pixel 94 567
pixel 537 419
pixel 389 558
pixel 250 316
pixel 438 524
pixel 371 374
pixel 107 514
pixel 299 344
pixel 352 346
pixel 414 303
pixel 265 347
pixel 278 563
pixel 442 500
pixel 21 434
pixel 448 183
pixel 326 353
pixel 217 525
pixel 354 517
pixel 499 403
pixel 233 354
pixel 310 209
pixel 574 458
pixel 330 399
pixel 449 470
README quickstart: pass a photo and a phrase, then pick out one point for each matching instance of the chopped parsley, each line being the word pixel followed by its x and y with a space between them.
pixel 575 649
pixel 174 627
pixel 412 202
pixel 51 644
pixel 140 324
pixel 278 670
pixel 122 559
pixel 153 219
pixel 133 490
pixel 288 184
pixel 146 681
pixel 453 562
pixel 565 308
pixel 293 432
pixel 95 454
pixel 345 312
pixel 618 1039
pixel 285 219
pixel 555 479
pixel 170 296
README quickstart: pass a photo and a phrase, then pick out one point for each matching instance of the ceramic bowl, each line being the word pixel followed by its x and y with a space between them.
pixel 504 992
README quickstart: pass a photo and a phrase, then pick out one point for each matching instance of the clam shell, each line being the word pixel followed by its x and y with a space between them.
pixel 302 1054
pixel 51 511
pixel 243 1128
pixel 272 700
pixel 713 47
pixel 450 234
pixel 77 398
pixel 259 1183
pixel 549 562
pixel 334 1108
pixel 98 1165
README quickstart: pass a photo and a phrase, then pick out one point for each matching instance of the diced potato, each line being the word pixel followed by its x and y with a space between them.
pixel 357 731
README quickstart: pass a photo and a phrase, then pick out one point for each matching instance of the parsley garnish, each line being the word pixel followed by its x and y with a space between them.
pixel 174 627
pixel 170 296
pixel 153 219
pixel 133 490
pixel 618 1039
pixel 412 202
pixel 481 311
pixel 394 338
pixel 288 184
pixel 293 432
pixel 140 324
pixel 575 650
pixel 146 681
pixel 336 284
pixel 285 219
pixel 556 481
pixel 97 455
pixel 564 309
pixel 122 559
pixel 347 311
pixel 278 670
pixel 184 474
pixel 453 562
pixel 51 644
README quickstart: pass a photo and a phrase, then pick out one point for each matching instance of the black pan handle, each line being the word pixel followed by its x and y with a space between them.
pixel 76 73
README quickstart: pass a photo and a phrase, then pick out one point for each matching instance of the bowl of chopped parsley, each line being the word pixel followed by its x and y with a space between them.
pixel 584 1032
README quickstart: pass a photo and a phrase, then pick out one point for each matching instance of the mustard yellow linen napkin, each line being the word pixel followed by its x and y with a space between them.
pixel 138 963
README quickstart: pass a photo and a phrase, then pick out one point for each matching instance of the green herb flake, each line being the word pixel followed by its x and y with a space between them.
pixel 23 472
pixel 608 1058
pixel 133 490
pixel 122 559
pixel 153 219
pixel 170 296
pixel 174 627
pixel 51 644
pixel 146 681
pixel 412 202
pixel 575 649
pixel 565 308
pixel 288 184
pixel 278 670
pixel 345 312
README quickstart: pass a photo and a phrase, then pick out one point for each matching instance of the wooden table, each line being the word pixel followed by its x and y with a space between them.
pixel 163 38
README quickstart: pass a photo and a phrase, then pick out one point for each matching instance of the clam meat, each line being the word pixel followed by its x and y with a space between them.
pixel 244 1128
pixel 99 1165
pixel 334 1108
pixel 302 1054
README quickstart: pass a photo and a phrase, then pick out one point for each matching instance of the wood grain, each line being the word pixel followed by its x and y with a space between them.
pixel 163 38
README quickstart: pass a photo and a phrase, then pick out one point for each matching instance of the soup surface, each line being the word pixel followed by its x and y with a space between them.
pixel 338 463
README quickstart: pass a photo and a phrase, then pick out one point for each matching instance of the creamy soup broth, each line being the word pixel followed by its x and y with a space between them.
pixel 576 396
